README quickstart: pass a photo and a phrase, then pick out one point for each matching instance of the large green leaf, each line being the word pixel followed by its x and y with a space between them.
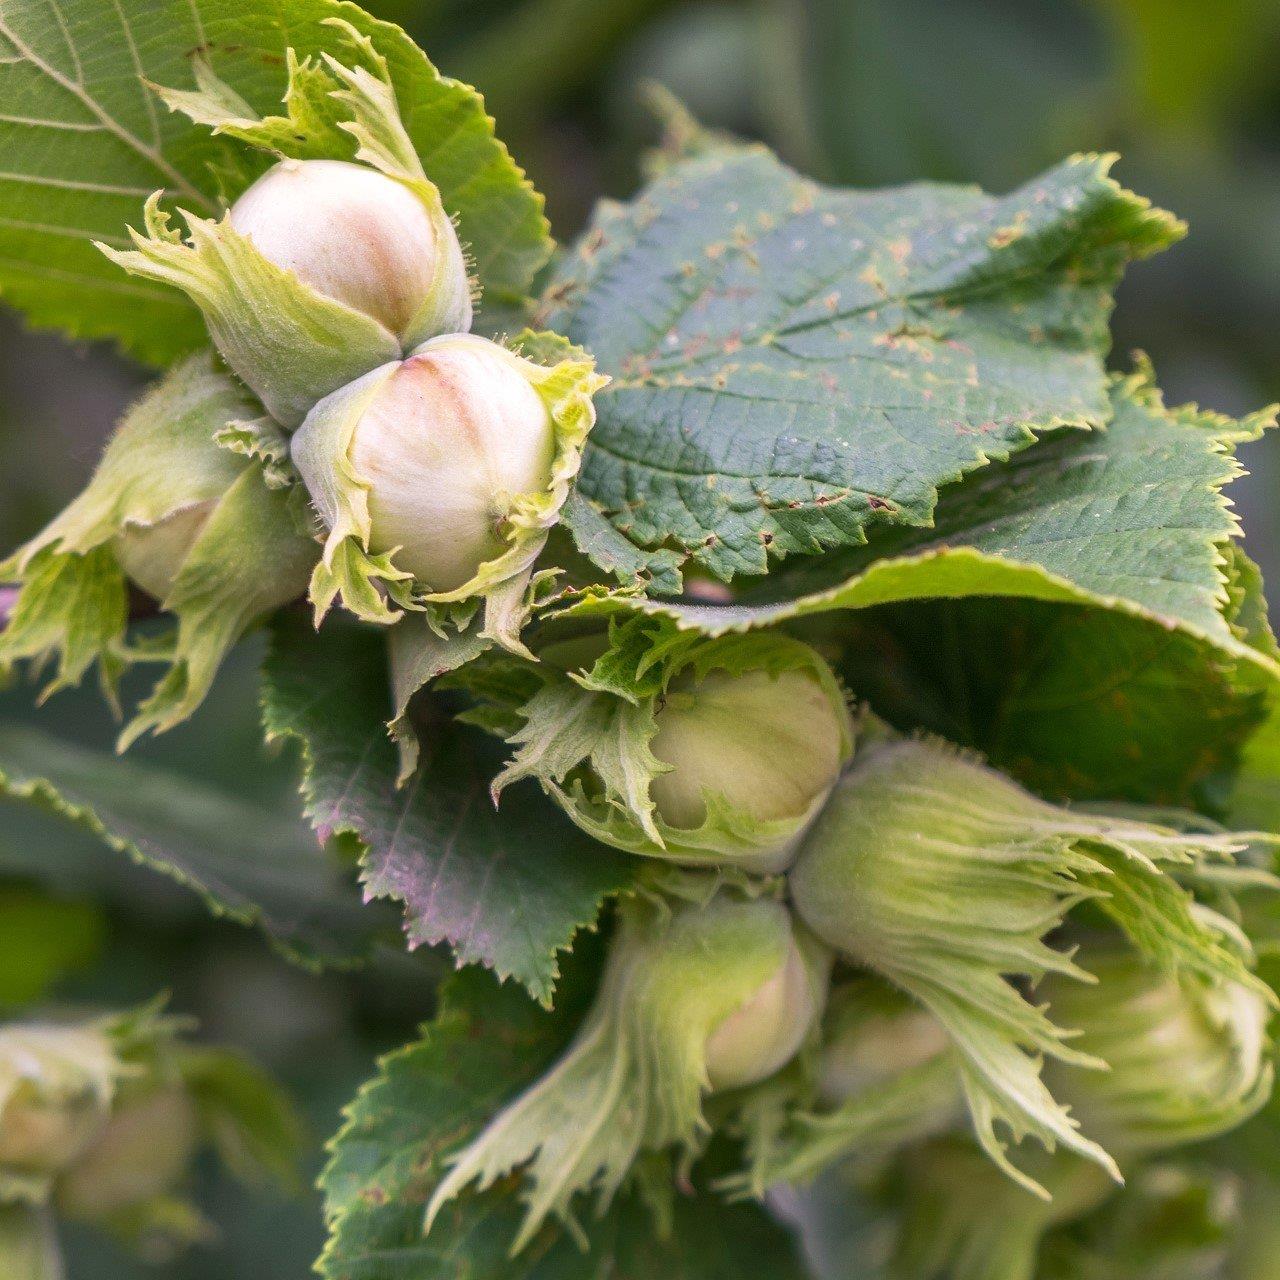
pixel 793 364
pixel 85 141
pixel 507 888
pixel 428 1099
pixel 1130 518
pixel 250 864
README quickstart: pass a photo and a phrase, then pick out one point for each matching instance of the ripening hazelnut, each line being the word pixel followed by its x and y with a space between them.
pixel 357 236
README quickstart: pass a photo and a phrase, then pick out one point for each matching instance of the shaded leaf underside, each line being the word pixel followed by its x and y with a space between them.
pixel 794 364
pixel 508 887
pixel 1077 703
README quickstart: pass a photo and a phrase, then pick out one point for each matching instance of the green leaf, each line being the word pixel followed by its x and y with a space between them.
pixel 507 888
pixel 1131 519
pixel 598 539
pixel 433 1095
pixel 794 364
pixel 85 141
pixel 418 655
pixel 1254 797
pixel 248 864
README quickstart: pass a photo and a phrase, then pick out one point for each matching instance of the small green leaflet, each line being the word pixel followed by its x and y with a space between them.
pixel 507 888
pixel 428 1098
pixel 85 141
pixel 794 364
pixel 247 863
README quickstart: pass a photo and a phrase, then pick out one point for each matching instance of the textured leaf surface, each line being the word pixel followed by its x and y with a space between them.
pixel 247 863
pixel 1130 518
pixel 506 888
pixel 84 142
pixel 430 1097
pixel 793 364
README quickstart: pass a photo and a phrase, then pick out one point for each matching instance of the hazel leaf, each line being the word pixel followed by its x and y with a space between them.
pixel 85 81
pixel 1131 519
pixel 793 365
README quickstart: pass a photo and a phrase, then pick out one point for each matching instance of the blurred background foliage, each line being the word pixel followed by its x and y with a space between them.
pixel 856 92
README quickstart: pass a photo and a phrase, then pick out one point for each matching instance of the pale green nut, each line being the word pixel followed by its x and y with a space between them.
pixel 695 997
pixel 727 763
pixel 195 525
pixel 56 1089
pixel 766 1031
pixel 438 477
pixel 865 1044
pixel 142 1154
pixel 451 438
pixel 884 1076
pixel 321 271
pixel 772 745
pixel 42 1134
pixel 948 879
pixel 361 238
pixel 1187 1058
pixel 152 555
pixel 964 1218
